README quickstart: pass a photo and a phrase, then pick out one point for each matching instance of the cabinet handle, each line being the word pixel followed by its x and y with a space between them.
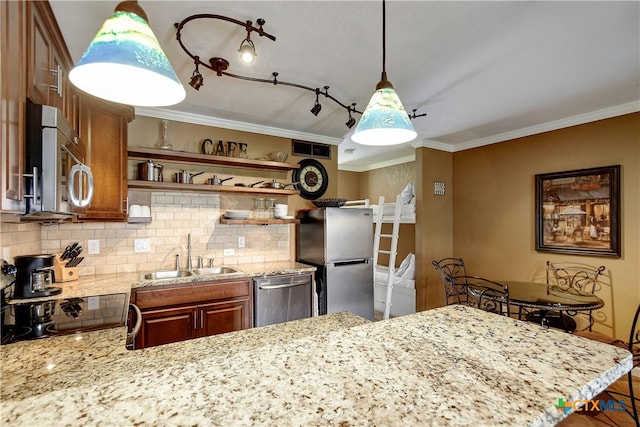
pixel 58 86
pixel 34 186
pixel 195 319
pixel 201 319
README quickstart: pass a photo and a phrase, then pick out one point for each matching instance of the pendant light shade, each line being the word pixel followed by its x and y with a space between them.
pixel 125 63
pixel 384 121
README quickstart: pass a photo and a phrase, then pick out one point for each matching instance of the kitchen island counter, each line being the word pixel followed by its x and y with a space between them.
pixel 449 366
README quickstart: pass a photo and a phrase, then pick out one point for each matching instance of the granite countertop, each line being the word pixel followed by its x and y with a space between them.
pixel 124 282
pixel 453 366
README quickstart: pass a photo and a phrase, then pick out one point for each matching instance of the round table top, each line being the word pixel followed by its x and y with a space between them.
pixel 537 295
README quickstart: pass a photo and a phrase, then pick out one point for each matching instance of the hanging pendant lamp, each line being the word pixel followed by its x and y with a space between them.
pixel 125 63
pixel 384 121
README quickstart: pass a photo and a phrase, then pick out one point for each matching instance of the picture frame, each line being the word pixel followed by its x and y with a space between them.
pixel 578 212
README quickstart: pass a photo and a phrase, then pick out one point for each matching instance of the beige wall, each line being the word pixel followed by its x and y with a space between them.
pixel 177 214
pixel 493 208
pixel 434 223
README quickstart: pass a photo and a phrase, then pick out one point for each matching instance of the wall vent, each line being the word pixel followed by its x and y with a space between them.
pixel 310 149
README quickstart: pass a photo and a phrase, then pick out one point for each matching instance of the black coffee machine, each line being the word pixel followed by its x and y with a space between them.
pixel 34 276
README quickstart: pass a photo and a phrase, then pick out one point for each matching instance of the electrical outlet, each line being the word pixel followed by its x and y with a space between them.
pixel 241 241
pixel 141 245
pixel 229 252
pixel 438 188
pixel 93 246
pixel 93 303
pixel 6 254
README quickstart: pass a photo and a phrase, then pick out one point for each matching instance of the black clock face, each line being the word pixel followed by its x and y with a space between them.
pixel 312 179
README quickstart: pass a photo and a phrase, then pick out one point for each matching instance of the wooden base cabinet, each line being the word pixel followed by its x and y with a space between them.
pixel 179 312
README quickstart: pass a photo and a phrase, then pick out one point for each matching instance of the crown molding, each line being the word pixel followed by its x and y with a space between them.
pixel 427 143
pixel 605 113
pixel 386 163
pixel 161 113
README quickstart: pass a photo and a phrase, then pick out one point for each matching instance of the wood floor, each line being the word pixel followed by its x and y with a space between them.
pixel 607 418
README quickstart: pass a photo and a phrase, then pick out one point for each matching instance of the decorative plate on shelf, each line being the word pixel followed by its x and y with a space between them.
pixel 237 214
pixel 285 217
pixel 329 203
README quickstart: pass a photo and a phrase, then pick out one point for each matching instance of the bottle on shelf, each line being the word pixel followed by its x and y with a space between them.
pixel 163 142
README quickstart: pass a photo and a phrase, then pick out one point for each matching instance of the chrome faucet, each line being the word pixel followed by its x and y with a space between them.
pixel 189 266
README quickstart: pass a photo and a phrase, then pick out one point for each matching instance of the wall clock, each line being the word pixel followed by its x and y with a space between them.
pixel 312 179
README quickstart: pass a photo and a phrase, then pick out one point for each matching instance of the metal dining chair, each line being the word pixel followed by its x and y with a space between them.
pixel 631 405
pixel 573 277
pixel 484 294
pixel 454 292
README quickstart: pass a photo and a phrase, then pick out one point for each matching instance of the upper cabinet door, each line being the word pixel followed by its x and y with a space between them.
pixel 13 40
pixel 48 58
pixel 103 132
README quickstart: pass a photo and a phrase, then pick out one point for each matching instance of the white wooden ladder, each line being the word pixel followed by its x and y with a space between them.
pixel 392 252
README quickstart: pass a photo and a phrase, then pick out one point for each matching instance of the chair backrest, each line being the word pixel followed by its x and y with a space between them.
pixel 450 268
pixel 573 276
pixel 486 294
pixel 634 338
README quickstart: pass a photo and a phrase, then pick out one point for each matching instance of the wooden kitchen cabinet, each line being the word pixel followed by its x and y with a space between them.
pixel 221 317
pixel 178 312
pixel 166 325
pixel 49 60
pixel 103 132
pixel 13 65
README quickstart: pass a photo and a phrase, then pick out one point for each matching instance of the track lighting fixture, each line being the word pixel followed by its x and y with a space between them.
pixel 247 52
pixel 351 120
pixel 316 107
pixel 196 78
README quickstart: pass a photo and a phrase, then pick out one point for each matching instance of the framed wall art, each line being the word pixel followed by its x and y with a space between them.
pixel 578 212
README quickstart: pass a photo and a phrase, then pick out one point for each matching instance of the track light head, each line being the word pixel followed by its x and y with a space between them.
pixel 247 50
pixel 316 108
pixel 350 122
pixel 196 77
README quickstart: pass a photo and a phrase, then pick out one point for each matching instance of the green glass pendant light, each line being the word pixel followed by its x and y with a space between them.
pixel 125 63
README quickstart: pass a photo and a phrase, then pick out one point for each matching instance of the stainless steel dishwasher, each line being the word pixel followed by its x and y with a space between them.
pixel 282 298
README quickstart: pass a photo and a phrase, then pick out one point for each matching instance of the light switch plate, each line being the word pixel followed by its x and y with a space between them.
pixel 229 252
pixel 93 246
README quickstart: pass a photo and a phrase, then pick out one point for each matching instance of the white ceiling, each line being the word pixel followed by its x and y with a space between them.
pixel 483 72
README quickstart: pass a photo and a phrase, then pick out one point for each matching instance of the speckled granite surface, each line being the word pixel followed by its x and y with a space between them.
pixel 123 282
pixel 449 366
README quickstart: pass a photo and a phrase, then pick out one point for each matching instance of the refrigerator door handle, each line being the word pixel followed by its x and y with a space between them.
pixel 352 262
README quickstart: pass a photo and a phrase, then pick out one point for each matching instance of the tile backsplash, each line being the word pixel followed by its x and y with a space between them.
pixel 174 216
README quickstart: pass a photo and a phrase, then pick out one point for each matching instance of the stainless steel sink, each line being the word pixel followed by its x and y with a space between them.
pixel 167 274
pixel 215 270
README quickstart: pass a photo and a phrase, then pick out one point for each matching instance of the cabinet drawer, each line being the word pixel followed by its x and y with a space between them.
pixel 191 293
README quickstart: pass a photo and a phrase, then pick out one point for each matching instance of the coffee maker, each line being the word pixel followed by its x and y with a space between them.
pixel 34 276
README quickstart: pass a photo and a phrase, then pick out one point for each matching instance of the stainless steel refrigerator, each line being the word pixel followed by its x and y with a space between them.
pixel 339 242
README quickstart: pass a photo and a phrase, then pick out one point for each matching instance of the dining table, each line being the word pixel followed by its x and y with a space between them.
pixel 537 300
